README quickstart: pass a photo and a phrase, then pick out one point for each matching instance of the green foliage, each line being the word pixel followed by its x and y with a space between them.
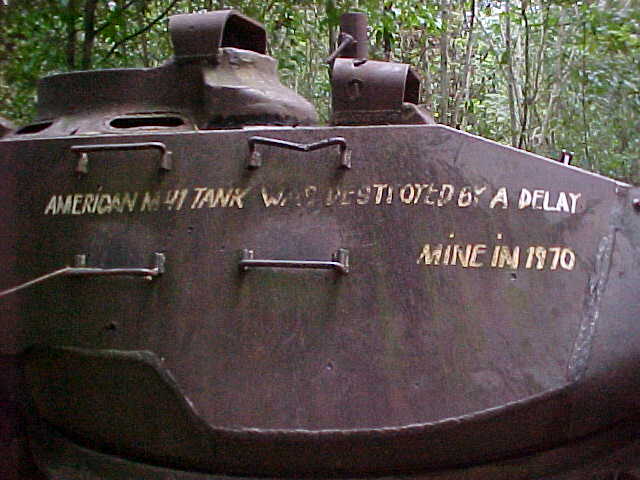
pixel 541 75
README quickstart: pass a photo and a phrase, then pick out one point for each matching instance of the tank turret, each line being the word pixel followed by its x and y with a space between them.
pixel 219 77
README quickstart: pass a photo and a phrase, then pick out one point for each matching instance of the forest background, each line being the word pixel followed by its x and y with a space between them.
pixel 540 75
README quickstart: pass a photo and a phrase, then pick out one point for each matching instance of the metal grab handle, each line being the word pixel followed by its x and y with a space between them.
pixel 80 268
pixel 166 160
pixel 339 262
pixel 255 158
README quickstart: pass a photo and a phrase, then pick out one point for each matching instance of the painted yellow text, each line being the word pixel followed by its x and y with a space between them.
pixel 498 256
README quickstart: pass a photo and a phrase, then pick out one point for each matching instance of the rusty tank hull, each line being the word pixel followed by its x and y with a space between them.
pixel 430 340
pixel 312 302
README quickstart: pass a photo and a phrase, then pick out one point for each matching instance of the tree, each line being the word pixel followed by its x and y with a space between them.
pixel 539 75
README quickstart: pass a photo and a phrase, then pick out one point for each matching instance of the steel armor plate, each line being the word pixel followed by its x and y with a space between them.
pixel 477 278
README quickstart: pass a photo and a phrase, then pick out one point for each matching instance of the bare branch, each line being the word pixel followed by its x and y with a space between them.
pixel 148 27
pixel 110 22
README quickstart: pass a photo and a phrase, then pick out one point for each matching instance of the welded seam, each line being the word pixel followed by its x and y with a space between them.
pixel 579 359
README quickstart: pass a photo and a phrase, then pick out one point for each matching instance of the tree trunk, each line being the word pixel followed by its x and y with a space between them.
pixel 558 80
pixel 89 32
pixel 444 63
pixel 144 45
pixel 537 139
pixel 526 87
pixel 463 93
pixel 386 34
pixel 583 100
pixel 330 6
pixel 70 47
pixel 511 80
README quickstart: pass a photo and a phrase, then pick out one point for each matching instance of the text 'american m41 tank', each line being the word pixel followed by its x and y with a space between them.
pixel 203 283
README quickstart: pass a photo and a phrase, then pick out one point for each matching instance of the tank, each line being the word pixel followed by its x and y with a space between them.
pixel 200 282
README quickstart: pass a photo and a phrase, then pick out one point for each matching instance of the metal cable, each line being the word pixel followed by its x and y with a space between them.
pixel 35 281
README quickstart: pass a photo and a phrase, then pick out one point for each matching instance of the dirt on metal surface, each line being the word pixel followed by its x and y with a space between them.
pixel 304 301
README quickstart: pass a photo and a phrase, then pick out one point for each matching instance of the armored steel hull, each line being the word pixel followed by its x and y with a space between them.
pixel 476 319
